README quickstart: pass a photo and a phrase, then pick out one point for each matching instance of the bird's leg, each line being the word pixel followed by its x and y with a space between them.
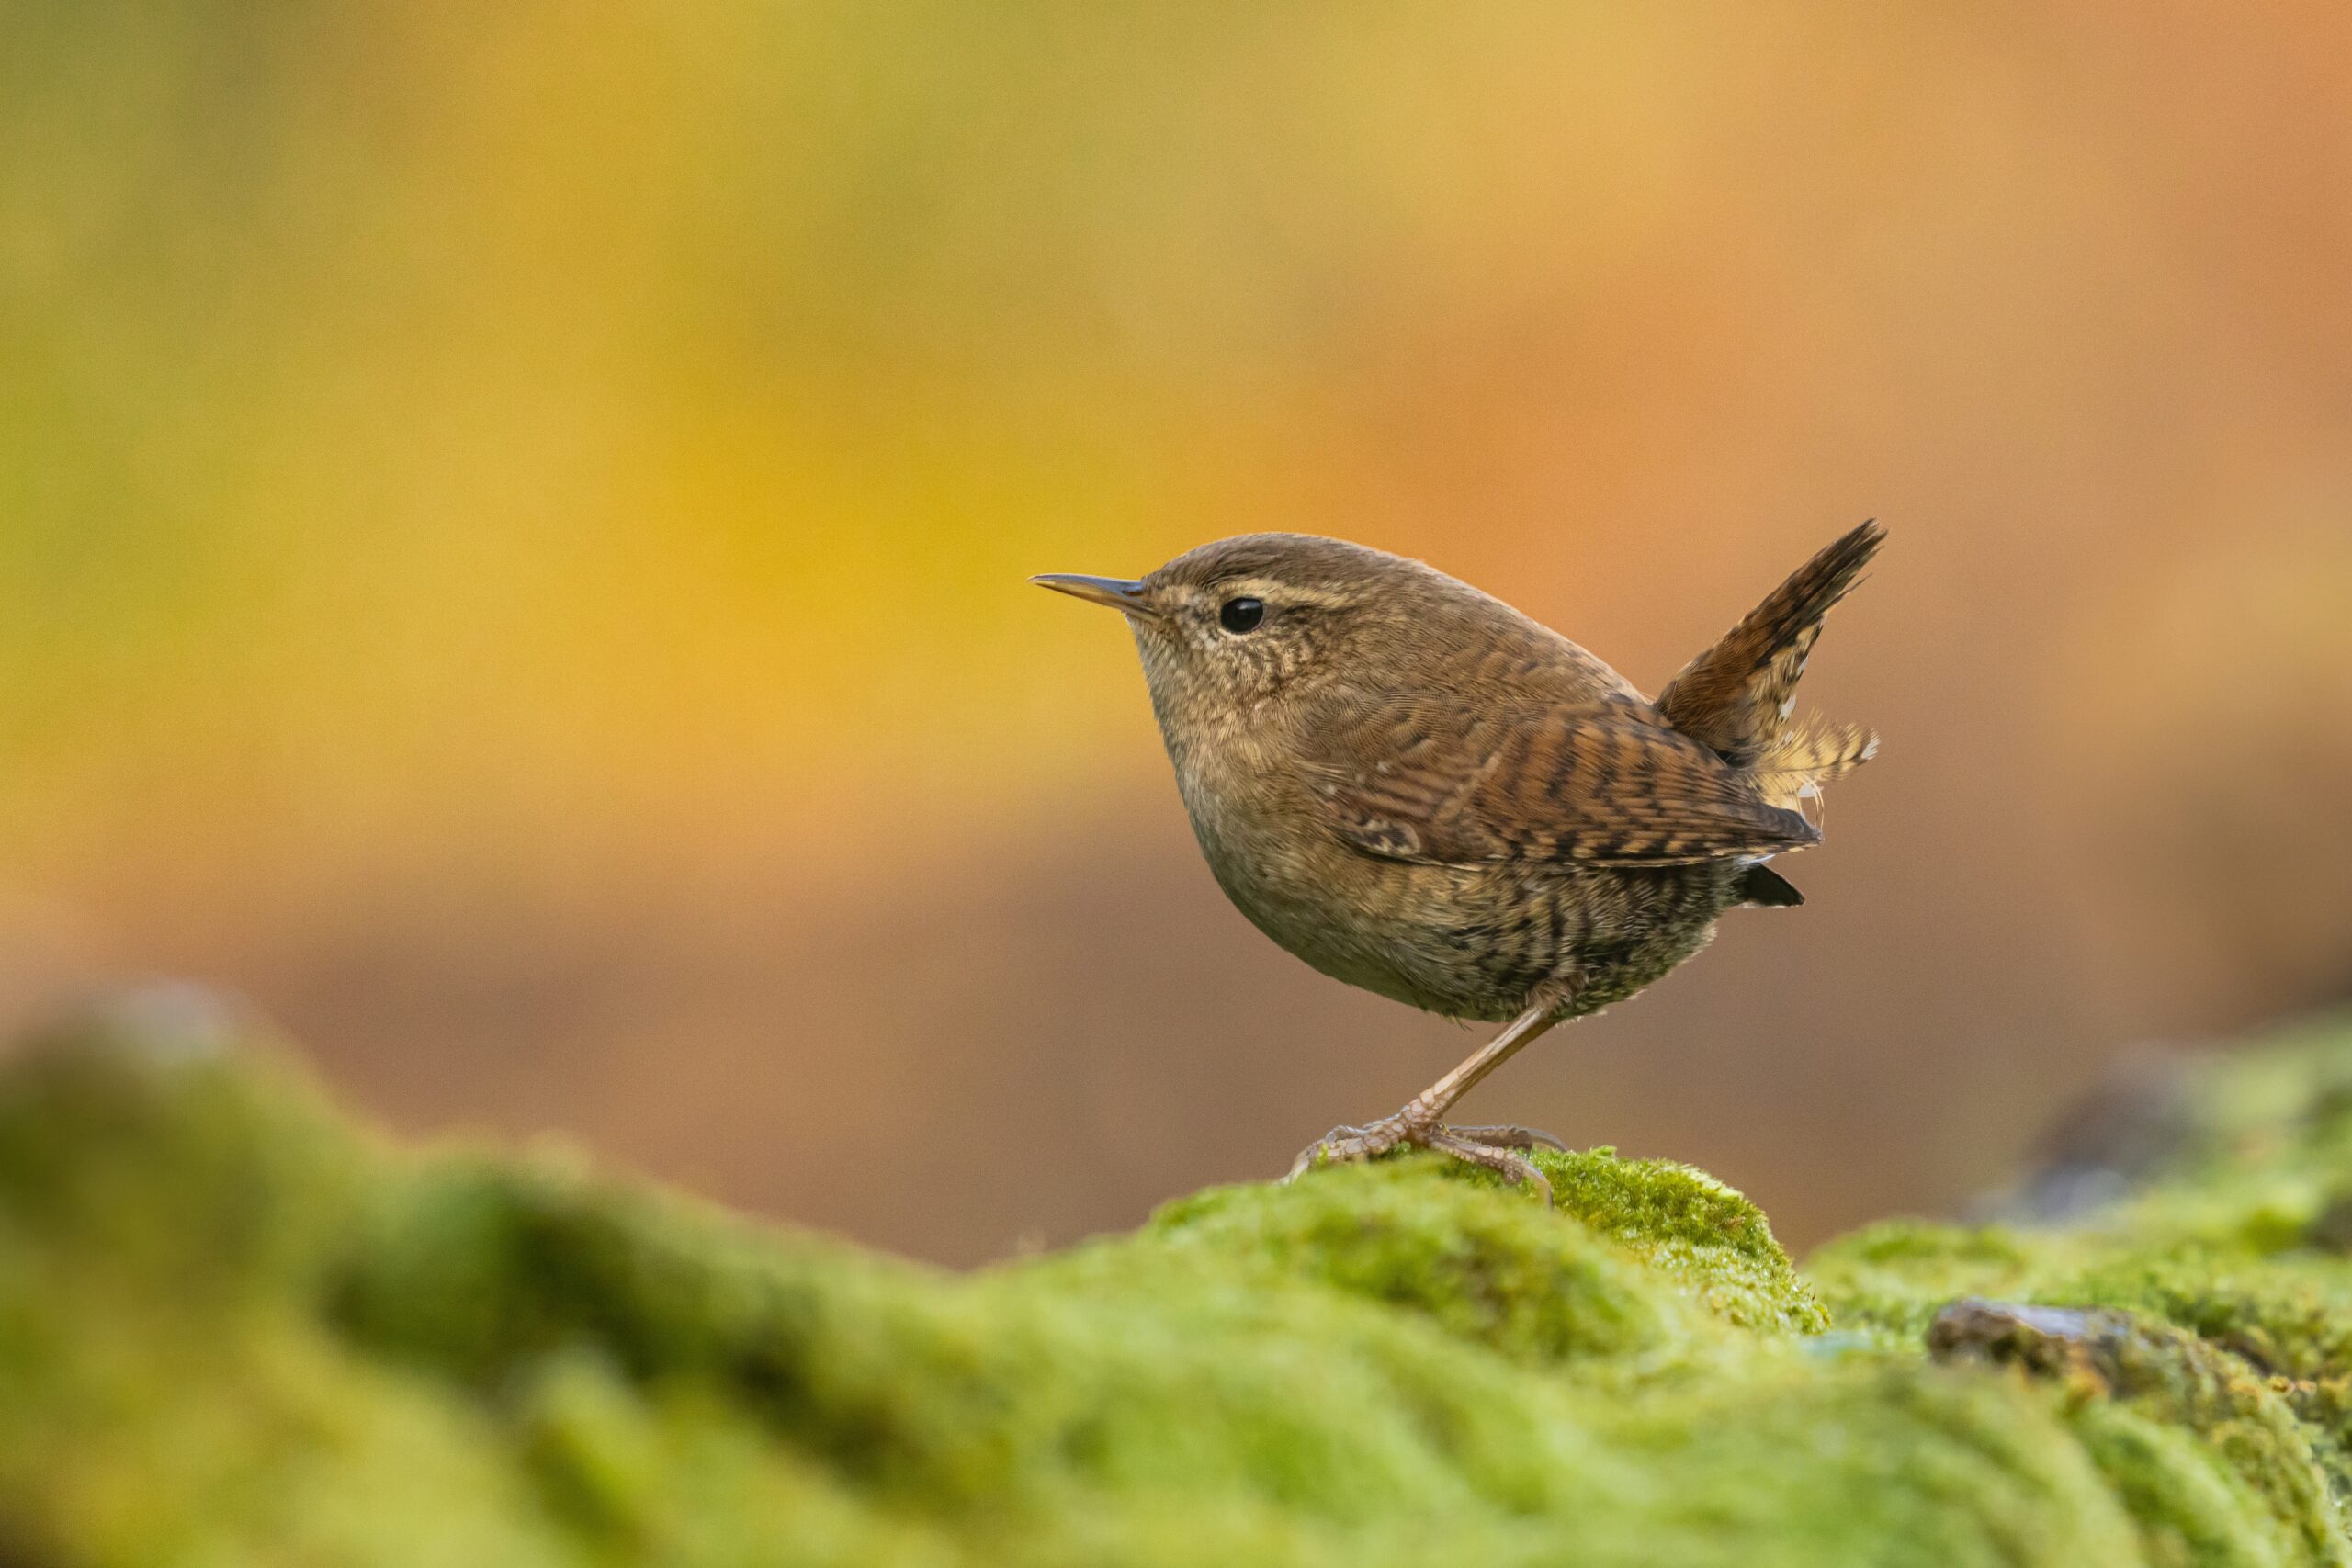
pixel 1416 1124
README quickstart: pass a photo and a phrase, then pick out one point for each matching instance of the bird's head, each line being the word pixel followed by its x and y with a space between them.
pixel 1234 624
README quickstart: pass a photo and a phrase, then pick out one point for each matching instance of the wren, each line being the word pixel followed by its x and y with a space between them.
pixel 1423 792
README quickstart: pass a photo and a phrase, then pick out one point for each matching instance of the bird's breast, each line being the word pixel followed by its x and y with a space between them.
pixel 1468 942
pixel 1393 927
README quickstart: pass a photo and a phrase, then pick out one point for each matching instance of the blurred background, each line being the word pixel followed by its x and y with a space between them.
pixel 512 522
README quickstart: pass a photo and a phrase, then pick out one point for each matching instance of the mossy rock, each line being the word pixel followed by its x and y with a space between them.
pixel 235 1329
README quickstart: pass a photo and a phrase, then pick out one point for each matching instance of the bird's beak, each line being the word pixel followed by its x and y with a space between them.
pixel 1121 594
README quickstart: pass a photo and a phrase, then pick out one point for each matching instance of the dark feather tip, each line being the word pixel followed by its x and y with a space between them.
pixel 1761 887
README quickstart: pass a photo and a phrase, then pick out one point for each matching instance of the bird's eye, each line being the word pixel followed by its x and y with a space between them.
pixel 1241 614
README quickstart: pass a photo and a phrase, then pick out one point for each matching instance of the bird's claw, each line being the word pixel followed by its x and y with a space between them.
pixel 1498 1148
pixel 1503 1159
pixel 1350 1145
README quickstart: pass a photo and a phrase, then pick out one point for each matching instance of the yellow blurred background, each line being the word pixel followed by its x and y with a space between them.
pixel 512 522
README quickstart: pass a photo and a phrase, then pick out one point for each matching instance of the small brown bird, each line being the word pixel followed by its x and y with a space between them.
pixel 1420 791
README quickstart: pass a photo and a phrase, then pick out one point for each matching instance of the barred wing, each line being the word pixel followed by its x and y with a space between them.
pixel 1609 784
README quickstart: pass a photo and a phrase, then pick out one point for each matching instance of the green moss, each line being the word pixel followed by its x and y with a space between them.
pixel 1531 1285
pixel 2200 1443
pixel 234 1330
pixel 1693 1230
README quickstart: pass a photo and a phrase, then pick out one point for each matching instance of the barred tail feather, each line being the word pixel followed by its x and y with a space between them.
pixel 1737 697
pixel 1804 757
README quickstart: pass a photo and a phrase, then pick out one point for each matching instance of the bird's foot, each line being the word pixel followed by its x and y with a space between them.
pixel 1348 1146
pixel 1498 1148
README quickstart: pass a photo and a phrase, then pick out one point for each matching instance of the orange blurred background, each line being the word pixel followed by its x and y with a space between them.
pixel 512 522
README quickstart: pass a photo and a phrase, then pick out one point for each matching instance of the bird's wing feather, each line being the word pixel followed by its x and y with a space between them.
pixel 1606 783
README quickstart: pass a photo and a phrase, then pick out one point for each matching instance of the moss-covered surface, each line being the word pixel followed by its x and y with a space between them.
pixel 234 1329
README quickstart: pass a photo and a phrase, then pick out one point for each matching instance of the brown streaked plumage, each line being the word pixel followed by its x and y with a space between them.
pixel 1420 791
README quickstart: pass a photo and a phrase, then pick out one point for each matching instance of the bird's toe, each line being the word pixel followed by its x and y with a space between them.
pixel 1510 1165
pixel 1504 1136
pixel 1350 1146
